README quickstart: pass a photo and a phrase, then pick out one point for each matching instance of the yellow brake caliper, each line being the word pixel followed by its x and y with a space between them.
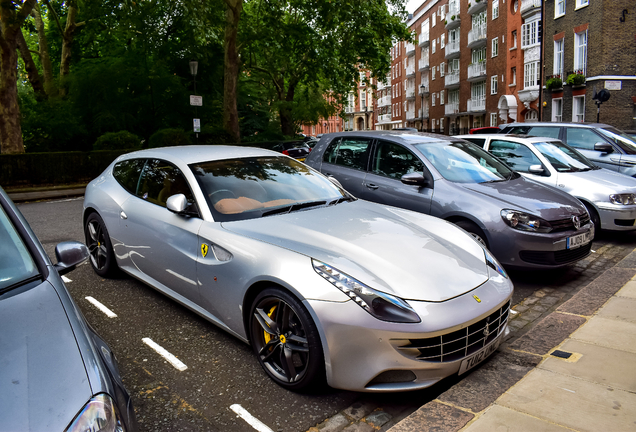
pixel 268 337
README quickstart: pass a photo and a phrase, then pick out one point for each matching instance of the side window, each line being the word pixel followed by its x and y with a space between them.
pixel 479 141
pixel 544 131
pixel 393 160
pixel 517 156
pixel 582 138
pixel 160 180
pixel 348 152
pixel 127 173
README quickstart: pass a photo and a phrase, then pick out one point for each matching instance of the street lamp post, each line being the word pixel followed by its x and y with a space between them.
pixel 194 67
pixel 422 88
pixel 366 119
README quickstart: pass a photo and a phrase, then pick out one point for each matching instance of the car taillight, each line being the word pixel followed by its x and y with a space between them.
pixel 286 152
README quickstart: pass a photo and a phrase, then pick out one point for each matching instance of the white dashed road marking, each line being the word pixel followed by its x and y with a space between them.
pixel 109 313
pixel 249 418
pixel 66 280
pixel 165 354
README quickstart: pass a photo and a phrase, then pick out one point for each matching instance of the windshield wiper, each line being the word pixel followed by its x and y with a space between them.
pixel 342 199
pixel 294 207
pixel 19 284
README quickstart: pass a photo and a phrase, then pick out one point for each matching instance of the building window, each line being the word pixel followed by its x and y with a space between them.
pixel 493 119
pixel 580 52
pixel 578 109
pixel 442 41
pixel 558 58
pixel 433 46
pixel 494 80
pixel 363 100
pixel 478 55
pixel 530 34
pixel 441 125
pixel 581 3
pixel 433 99
pixel 351 102
pixel 434 20
pixel 442 66
pixel 559 9
pixel 513 76
pixel 514 40
pixel 557 110
pixel 531 74
pixel 363 76
pixel 495 9
pixel 441 97
pixel 433 73
pixel 495 47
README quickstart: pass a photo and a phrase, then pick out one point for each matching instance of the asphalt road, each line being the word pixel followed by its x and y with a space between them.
pixel 222 371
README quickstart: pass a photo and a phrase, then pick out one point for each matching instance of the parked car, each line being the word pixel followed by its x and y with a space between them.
pixel 523 223
pixel 411 129
pixel 56 373
pixel 608 196
pixel 322 285
pixel 603 144
pixel 484 130
pixel 296 149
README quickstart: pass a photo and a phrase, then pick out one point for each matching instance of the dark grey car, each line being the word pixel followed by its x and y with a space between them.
pixel 56 373
pixel 525 224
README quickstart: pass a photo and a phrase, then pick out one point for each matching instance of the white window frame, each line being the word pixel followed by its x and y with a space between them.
pixel 442 41
pixel 433 46
pixel 494 84
pixel 559 8
pixel 493 119
pixel 363 99
pixel 581 4
pixel 494 47
pixel 513 72
pixel 578 103
pixel 434 20
pixel 580 51
pixel 557 110
pixel 495 9
pixel 441 125
pixel 530 74
pixel 433 73
pixel 559 64
pixel 441 97
pixel 442 69
pixel 514 40
pixel 433 99
pixel 530 34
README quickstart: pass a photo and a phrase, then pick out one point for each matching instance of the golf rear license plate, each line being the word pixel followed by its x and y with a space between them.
pixel 579 240
pixel 478 357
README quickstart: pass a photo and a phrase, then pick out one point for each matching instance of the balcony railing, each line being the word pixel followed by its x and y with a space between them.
pixel 477 70
pixel 424 39
pixel 452 17
pixel 419 113
pixel 424 90
pixel 476 6
pixel 527 5
pixel 410 49
pixel 423 63
pixel 451 108
pixel 410 114
pixel 451 78
pixel 477 35
pixel 410 70
pixel 410 92
pixel 384 101
pixel 452 48
pixel 384 118
pixel 477 104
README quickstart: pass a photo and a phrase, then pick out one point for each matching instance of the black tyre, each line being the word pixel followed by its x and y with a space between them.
pixel 286 341
pixel 99 246
pixel 474 231
pixel 594 218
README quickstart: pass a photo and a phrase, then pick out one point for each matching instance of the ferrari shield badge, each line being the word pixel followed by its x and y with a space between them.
pixel 204 249
pixel 475 297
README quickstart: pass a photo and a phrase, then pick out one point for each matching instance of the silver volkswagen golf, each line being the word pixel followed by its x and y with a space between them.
pixel 323 286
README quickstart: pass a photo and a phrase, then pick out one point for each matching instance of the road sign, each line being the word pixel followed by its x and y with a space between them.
pixel 197 125
pixel 196 100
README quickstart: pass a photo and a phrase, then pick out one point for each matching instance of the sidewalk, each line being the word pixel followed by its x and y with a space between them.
pixel 586 381
pixel 45 192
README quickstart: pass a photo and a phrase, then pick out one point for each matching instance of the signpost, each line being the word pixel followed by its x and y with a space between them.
pixel 197 124
pixel 196 100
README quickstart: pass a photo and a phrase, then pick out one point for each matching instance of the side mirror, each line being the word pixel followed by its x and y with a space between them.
pixel 177 203
pixel 536 169
pixel 69 255
pixel 603 147
pixel 335 181
pixel 414 179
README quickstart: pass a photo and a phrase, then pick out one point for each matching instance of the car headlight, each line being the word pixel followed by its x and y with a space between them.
pixel 494 264
pixel 524 221
pixel 381 305
pixel 622 199
pixel 99 415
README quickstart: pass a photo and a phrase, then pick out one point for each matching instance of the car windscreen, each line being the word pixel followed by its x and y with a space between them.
pixel 564 158
pixel 624 141
pixel 16 264
pixel 465 162
pixel 246 188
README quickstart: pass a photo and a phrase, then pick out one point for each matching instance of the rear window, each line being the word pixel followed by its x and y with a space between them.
pixel 348 152
pixel 127 173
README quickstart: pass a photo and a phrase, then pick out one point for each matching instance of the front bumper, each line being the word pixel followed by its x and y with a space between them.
pixel 617 217
pixel 531 250
pixel 365 354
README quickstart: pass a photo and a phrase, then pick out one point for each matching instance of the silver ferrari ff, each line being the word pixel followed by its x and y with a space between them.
pixel 323 286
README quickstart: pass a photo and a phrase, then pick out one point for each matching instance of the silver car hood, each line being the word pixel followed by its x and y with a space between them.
pixel 43 382
pixel 602 181
pixel 404 253
pixel 531 197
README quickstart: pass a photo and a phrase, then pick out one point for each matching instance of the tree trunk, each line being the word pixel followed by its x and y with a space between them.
pixel 231 69
pixel 67 44
pixel 29 65
pixel 45 58
pixel 285 112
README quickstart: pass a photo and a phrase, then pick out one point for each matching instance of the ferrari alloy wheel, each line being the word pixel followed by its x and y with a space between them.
pixel 286 341
pixel 99 246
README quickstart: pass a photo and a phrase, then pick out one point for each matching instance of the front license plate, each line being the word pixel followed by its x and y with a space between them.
pixel 579 240
pixel 478 357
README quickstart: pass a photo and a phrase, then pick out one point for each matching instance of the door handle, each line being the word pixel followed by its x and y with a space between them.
pixel 123 215
pixel 615 159
pixel 371 186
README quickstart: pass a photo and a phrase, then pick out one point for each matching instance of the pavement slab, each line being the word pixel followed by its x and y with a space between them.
pixel 606 366
pixel 608 333
pixel 629 290
pixel 502 419
pixel 548 333
pixel 620 309
pixel 572 402
pixel 434 417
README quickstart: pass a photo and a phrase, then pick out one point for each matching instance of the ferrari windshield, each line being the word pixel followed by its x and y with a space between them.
pixel 564 158
pixel 245 188
pixel 464 162
pixel 16 263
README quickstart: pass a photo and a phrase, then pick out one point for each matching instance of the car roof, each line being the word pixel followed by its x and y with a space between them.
pixel 401 136
pixel 574 124
pixel 199 153
pixel 511 137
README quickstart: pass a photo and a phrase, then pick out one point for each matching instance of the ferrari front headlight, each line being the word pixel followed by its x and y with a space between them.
pixel 98 415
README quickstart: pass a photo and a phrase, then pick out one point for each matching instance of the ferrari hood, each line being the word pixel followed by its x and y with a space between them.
pixel 43 382
pixel 408 254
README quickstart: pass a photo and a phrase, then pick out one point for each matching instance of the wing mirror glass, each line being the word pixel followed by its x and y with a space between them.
pixel 603 147
pixel 414 179
pixel 536 169
pixel 177 203
pixel 69 255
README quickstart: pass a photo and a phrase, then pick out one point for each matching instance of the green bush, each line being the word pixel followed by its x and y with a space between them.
pixel 169 138
pixel 554 83
pixel 211 135
pixel 576 79
pixel 117 141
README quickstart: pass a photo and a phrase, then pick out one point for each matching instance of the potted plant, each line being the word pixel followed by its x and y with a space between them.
pixel 554 83
pixel 576 79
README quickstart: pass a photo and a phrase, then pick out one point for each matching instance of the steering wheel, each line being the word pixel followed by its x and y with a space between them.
pixel 225 193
